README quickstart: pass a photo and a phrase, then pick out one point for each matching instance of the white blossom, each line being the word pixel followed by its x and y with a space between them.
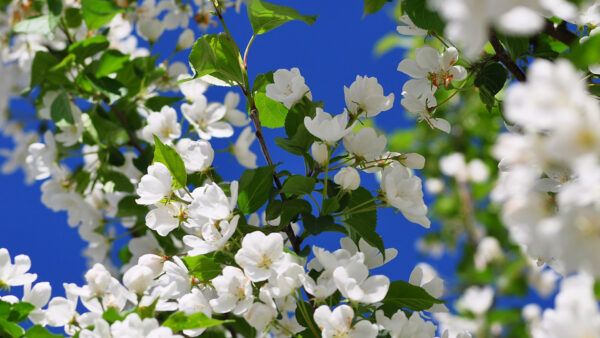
pixel 328 128
pixel 288 87
pixel 365 95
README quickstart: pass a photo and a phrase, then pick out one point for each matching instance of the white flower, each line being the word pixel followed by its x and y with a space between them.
pixel 365 143
pixel 401 327
pixel 62 310
pixel 150 29
pixel 404 192
pixel 192 90
pixel 476 299
pixel 139 278
pixel 134 326
pixel 320 152
pixel 234 292
pixel 348 178
pixel 328 128
pixel 163 124
pixel 365 95
pixel 164 218
pixel 288 87
pixel 354 283
pixel 194 302
pixel 155 185
pixel 373 257
pixel 455 165
pixel 214 237
pixel 37 296
pixel 423 275
pixel 422 108
pixel 260 255
pixel 430 70
pixel 206 118
pixel 241 149
pixel 71 133
pixel 42 157
pixel 488 250
pixel 211 203
pixel 233 115
pixel 338 323
pixel 196 155
pixel 186 39
pixel 575 313
pixel 15 274
pixel 409 27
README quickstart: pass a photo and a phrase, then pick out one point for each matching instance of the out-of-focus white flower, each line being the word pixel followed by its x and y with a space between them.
pixel 348 178
pixel 425 276
pixel 400 326
pixel 409 27
pixel 476 299
pixel 206 118
pixel 241 148
pixel 338 323
pixel 232 114
pixel 186 39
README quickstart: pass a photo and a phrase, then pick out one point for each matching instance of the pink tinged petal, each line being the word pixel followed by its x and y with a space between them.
pixel 410 67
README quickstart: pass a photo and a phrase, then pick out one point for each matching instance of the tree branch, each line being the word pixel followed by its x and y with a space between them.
pixel 503 57
pixel 294 240
pixel 560 32
pixel 133 141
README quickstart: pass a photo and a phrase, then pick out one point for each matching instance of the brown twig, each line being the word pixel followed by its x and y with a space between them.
pixel 503 57
pixel 133 141
pixel 560 32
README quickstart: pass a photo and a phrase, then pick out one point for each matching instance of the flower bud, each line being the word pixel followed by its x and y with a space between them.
pixel 348 178
pixel 138 278
pixel 151 29
pixel 98 279
pixel 152 261
pixel 320 153
pixel 186 39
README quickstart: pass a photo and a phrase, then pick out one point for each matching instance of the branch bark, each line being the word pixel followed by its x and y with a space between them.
pixel 503 57
pixel 560 32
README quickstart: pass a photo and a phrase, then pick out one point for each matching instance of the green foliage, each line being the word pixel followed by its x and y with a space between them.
pixel 218 57
pixel 202 267
pixel 373 6
pixel 271 113
pixel 10 315
pixel 255 187
pixel 171 159
pixel 98 13
pixel 298 185
pixel 403 295
pixel 422 16
pixel 73 17
pixel 179 321
pixel 38 331
pixel 585 54
pixel 42 70
pixel 60 111
pixel 127 207
pixel 112 315
pixel 265 16
pixel 360 218
pixel 43 24
pixel 88 47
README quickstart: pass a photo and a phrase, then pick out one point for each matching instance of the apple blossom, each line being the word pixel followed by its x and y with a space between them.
pixel 156 185
pixel 365 95
pixel 348 178
pixel 328 128
pixel 288 87
pixel 338 323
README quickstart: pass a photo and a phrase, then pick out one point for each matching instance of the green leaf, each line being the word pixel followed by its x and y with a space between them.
pixel 107 130
pixel 60 110
pixel 38 331
pixel 217 57
pixel 391 41
pixel 9 329
pixel 330 205
pixel 112 315
pixel 20 311
pixel 129 208
pixel 55 7
pixel 265 16
pixel 202 267
pixel 361 223
pixel 271 113
pixel 422 16
pixel 298 185
pixel 155 103
pixel 404 295
pixel 110 62
pixel 401 140
pixel 373 6
pixel 291 209
pixel 41 70
pixel 117 181
pixel 179 321
pixel 515 45
pixel 492 77
pixel 585 54
pixel 88 47
pixel 255 187
pixel 171 159
pixel 43 24
pixel 73 17
pixel 97 13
